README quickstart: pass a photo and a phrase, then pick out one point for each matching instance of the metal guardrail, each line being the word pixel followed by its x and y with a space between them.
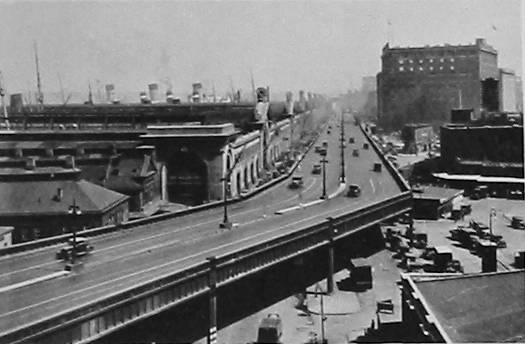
pixel 196 274
pixel 401 182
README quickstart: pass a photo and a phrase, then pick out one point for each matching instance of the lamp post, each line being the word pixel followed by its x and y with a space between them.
pixel 225 221
pixel 342 148
pixel 74 210
pixel 492 214
pixel 324 161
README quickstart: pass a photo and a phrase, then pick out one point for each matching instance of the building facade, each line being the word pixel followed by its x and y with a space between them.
pixel 422 84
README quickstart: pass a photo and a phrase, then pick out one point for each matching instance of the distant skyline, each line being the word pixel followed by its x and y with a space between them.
pixel 321 46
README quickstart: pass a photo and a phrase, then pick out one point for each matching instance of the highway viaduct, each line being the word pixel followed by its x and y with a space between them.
pixel 124 289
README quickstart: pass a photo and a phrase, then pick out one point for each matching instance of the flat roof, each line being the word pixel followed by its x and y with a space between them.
pixel 434 192
pixel 478 178
pixel 484 307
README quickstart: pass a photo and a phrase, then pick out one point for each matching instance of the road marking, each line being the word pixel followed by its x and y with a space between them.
pixel 278 229
pixel 372 184
pixel 33 281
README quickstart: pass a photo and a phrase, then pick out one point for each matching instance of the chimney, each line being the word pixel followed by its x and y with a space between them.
pixel 153 92
pixel 70 162
pixel 30 163
pixel 59 195
pixel 488 256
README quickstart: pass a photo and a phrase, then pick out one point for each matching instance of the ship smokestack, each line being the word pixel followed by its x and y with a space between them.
pixel 289 103
pixel 153 92
pixel 110 93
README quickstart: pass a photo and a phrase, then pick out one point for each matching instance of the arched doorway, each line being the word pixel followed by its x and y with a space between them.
pixel 187 178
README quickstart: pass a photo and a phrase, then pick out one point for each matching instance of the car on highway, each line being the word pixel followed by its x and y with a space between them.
pixel 353 191
pixel 351 140
pixel 82 247
pixel 355 152
pixel 297 182
pixel 317 149
pixel 316 169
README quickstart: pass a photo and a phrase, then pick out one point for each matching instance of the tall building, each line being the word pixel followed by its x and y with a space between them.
pixel 422 84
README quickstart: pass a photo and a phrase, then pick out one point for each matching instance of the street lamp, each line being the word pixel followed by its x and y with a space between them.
pixel 342 149
pixel 492 214
pixel 324 161
pixel 74 210
pixel 225 184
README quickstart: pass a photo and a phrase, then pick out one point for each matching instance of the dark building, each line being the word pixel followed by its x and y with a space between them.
pixel 36 203
pixel 422 84
pixel 491 146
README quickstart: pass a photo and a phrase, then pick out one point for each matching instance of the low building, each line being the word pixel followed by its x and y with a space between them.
pixel 417 137
pixel 37 204
pixel 430 202
pixel 482 307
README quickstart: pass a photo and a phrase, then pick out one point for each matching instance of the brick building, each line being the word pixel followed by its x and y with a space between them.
pixel 422 84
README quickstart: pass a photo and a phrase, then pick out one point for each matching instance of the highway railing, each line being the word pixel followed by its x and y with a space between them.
pixel 34 244
pixel 177 287
pixel 401 182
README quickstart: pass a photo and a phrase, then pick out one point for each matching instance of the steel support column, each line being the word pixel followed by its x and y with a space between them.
pixel 330 275
pixel 212 297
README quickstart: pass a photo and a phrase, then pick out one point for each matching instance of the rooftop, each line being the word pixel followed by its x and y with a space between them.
pixel 54 197
pixel 433 192
pixel 485 307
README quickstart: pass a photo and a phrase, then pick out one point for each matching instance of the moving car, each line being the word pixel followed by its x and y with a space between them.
pixel 353 191
pixel 297 182
pixel 316 169
pixel 82 247
pixel 355 152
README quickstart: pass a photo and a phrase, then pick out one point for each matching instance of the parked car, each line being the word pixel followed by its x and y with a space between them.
pixel 353 191
pixel 355 152
pixel 82 247
pixel 316 169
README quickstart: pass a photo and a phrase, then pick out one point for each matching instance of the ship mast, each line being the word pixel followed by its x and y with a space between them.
pixel 40 95
pixel 4 107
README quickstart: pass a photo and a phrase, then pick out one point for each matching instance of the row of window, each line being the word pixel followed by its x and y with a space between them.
pixel 430 60
pixel 420 68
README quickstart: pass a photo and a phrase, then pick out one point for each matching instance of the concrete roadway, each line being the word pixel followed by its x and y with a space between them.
pixel 127 258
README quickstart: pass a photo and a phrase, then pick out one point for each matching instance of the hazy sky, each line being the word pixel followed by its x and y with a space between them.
pixel 321 46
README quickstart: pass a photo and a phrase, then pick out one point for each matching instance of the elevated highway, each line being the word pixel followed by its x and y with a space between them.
pixel 135 273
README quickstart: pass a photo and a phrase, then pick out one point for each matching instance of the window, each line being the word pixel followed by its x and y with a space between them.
pixel 420 68
pixel 401 61
pixel 441 60
pixel 431 68
pixel 431 60
pixel 411 69
pixel 401 69
pixel 440 67
pixel 451 59
pixel 451 67
pixel 420 61
pixel 410 61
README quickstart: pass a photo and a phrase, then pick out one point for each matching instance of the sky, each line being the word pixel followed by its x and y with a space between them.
pixel 319 46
